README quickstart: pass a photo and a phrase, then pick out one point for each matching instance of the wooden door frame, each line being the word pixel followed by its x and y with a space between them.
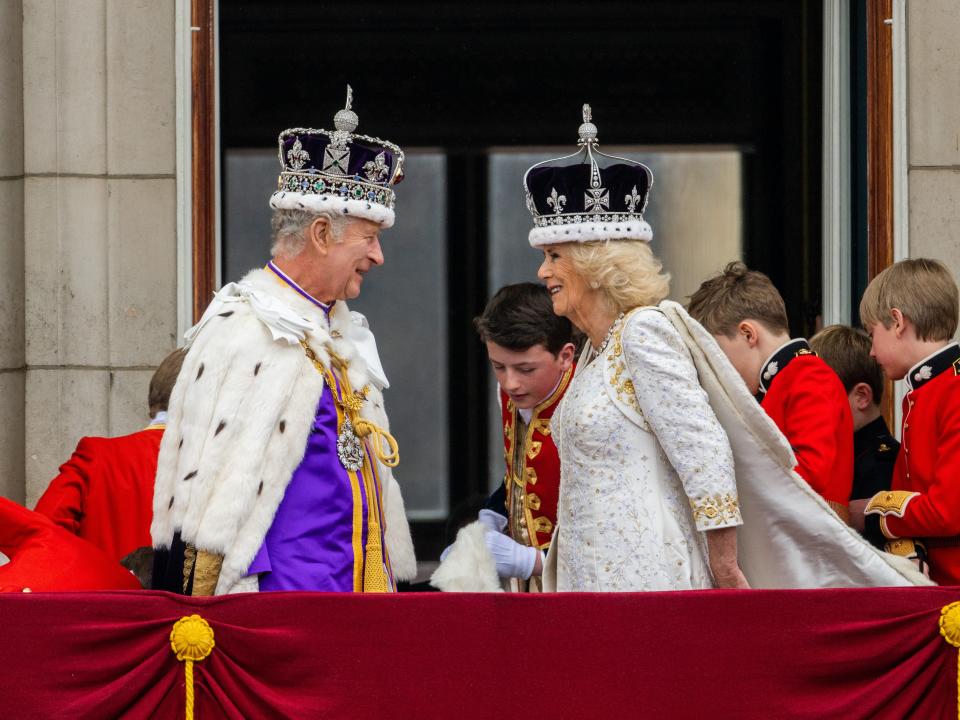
pixel 879 133
pixel 879 136
pixel 205 146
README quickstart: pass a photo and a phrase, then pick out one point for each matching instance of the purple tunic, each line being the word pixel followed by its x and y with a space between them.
pixel 309 546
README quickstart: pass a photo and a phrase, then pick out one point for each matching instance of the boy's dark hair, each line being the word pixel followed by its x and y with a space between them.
pixel 521 316
pixel 847 351
pixel 738 293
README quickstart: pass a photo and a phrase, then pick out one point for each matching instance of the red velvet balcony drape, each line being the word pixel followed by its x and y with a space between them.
pixel 740 654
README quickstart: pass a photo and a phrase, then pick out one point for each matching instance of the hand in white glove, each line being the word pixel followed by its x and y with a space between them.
pixel 513 559
pixel 490 519
pixel 493 520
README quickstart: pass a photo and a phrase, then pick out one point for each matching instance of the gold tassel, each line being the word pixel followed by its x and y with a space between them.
pixel 374 575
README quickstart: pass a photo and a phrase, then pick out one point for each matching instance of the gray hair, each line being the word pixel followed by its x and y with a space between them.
pixel 287 229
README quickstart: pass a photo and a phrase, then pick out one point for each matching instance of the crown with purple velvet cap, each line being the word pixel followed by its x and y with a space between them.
pixel 340 171
pixel 575 199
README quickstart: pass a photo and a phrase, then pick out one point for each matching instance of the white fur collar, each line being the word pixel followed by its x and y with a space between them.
pixel 292 318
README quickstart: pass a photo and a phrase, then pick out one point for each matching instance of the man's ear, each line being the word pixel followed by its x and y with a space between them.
pixel 566 356
pixel 862 396
pixel 318 235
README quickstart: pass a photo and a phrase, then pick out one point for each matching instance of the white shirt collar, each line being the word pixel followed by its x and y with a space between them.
pixel 527 413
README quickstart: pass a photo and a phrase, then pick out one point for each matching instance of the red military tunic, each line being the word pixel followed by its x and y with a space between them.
pixel 104 492
pixel 806 400
pixel 532 480
pixel 924 500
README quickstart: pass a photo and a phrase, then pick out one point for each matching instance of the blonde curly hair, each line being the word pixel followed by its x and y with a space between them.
pixel 626 271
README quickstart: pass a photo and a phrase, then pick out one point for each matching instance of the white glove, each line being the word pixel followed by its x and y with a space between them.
pixel 513 559
pixel 492 520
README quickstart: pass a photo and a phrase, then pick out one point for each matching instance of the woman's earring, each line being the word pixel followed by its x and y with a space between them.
pixel 594 284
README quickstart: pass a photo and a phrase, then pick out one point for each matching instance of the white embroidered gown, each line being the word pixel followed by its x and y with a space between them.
pixel 640 479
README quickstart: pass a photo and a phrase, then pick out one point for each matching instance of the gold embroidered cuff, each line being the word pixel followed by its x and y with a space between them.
pixel 716 511
pixel 890 502
pixel 904 547
pixel 206 572
pixel 189 559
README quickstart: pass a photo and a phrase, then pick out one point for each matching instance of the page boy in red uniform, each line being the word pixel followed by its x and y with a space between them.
pixel 531 351
pixel 104 492
pixel 911 313
pixel 745 313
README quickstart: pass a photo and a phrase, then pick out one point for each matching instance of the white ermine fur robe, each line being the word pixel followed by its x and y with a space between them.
pixel 239 418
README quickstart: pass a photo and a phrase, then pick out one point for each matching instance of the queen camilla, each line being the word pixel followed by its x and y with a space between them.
pixel 648 496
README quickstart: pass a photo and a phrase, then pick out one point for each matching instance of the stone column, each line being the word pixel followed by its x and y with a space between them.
pixel 99 219
pixel 933 98
pixel 12 358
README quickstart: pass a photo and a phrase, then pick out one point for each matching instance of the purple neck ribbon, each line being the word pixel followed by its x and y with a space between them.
pixel 286 278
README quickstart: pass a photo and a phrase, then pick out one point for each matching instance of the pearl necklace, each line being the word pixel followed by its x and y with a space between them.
pixel 606 341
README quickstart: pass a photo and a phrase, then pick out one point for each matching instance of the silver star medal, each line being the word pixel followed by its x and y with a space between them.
pixel 349 447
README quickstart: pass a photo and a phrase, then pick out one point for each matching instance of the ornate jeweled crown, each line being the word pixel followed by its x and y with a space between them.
pixel 338 170
pixel 574 199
